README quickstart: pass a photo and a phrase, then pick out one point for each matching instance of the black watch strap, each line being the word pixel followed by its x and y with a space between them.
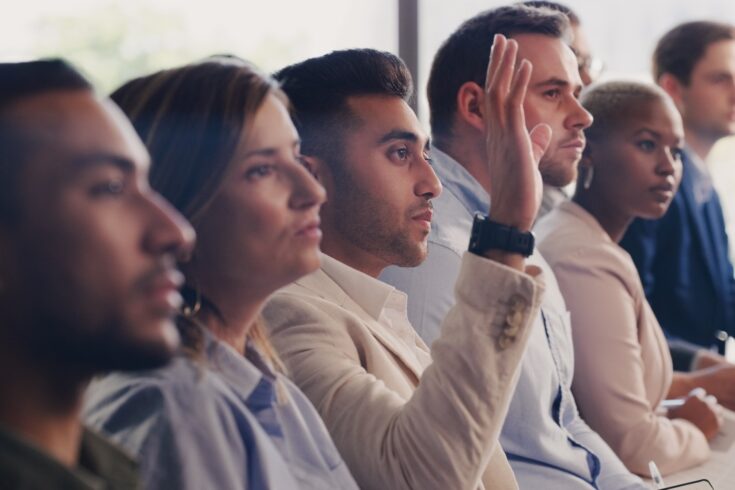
pixel 489 235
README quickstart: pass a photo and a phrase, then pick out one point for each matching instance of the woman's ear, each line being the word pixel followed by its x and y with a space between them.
pixel 470 105
pixel 586 167
pixel 586 160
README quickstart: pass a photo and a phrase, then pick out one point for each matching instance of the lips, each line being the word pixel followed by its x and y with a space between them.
pixel 666 187
pixel 577 143
pixel 424 216
pixel 310 229
pixel 163 288
pixel 664 192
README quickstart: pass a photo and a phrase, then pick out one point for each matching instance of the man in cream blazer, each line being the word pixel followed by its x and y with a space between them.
pixel 404 416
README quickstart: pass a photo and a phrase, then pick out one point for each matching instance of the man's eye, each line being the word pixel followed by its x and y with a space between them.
pixel 402 153
pixel 108 188
pixel 552 94
pixel 259 172
pixel 646 145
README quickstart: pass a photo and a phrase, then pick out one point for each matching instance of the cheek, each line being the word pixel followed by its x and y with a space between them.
pixel 243 229
pixel 538 110
pixel 89 271
pixel 532 110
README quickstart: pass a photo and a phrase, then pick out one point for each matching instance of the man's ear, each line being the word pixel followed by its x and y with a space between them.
pixel 673 87
pixel 470 105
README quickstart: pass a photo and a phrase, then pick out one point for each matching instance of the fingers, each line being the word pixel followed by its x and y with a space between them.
pixel 502 77
pixel 540 139
pixel 505 73
pixel 698 392
pixel 496 55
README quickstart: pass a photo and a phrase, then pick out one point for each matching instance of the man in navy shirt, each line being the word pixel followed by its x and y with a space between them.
pixel 683 257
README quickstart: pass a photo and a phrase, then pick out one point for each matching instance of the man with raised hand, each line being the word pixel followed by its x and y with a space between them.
pixel 546 441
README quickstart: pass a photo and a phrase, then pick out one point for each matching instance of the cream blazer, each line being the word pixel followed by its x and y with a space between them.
pixel 399 420
pixel 623 367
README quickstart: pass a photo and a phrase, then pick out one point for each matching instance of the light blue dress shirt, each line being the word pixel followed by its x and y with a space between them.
pixel 222 422
pixel 547 443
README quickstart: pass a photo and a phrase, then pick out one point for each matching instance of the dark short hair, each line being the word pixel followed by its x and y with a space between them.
pixel 19 81
pixel 571 14
pixel 683 46
pixel 319 88
pixel 463 57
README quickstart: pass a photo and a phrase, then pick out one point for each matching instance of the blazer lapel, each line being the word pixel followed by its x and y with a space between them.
pixel 320 284
pixel 704 235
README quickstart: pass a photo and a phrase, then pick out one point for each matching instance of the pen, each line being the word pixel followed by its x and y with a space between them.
pixel 658 481
pixel 672 403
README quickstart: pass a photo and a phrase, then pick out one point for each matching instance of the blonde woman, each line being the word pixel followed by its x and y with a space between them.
pixel 226 154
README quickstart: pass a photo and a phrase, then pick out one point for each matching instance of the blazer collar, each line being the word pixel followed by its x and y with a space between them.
pixel 365 297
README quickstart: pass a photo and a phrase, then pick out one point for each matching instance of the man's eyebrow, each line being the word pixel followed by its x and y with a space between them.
pixel 398 134
pixel 102 159
pixel 553 81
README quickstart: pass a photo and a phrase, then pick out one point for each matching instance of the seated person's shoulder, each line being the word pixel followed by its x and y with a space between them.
pixel 134 406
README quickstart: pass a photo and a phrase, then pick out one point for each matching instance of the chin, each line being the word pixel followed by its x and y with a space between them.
pixel 559 174
pixel 304 265
pixel 150 347
pixel 656 211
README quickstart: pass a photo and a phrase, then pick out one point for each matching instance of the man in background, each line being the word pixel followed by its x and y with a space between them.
pixel 683 258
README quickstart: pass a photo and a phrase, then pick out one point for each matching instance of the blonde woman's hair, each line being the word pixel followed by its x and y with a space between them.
pixel 190 119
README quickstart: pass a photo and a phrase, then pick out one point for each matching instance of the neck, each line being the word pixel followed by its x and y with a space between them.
pixel 228 308
pixel 613 223
pixel 237 309
pixel 701 144
pixel 469 152
pixel 42 405
pixel 358 259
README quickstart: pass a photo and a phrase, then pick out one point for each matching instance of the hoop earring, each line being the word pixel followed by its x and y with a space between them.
pixel 588 176
pixel 190 310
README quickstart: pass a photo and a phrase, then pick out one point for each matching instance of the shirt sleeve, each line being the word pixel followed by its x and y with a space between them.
pixel 444 435
pixel 609 376
pixel 184 436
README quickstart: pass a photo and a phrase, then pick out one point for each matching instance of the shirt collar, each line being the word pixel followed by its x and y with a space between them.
pixel 459 182
pixel 253 377
pixel 369 293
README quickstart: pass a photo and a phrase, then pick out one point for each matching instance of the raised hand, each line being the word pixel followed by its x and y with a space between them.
pixel 513 152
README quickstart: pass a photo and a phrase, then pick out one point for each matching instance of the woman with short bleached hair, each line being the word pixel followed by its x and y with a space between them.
pixel 630 168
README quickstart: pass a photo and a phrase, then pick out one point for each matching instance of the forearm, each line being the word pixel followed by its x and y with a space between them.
pixel 464 395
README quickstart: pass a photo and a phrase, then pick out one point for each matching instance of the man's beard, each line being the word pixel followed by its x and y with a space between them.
pixel 558 174
pixel 372 225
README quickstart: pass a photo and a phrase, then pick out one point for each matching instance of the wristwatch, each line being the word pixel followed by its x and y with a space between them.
pixel 489 235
